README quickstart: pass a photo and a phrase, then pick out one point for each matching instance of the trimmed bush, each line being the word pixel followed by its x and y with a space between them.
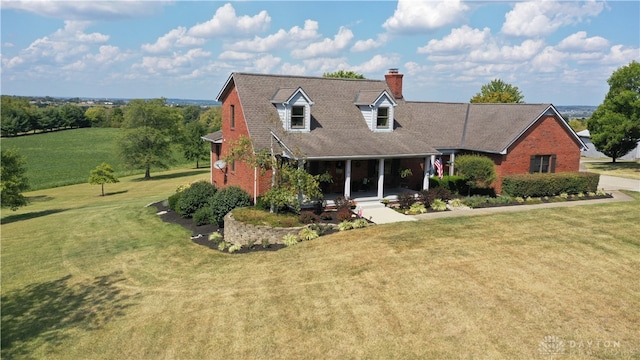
pixel 173 201
pixel 198 195
pixel 226 200
pixel 550 184
pixel 455 184
pixel 203 216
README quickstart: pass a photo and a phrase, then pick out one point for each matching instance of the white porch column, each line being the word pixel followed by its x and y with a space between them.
pixel 427 171
pixel 347 179
pixel 452 160
pixel 380 178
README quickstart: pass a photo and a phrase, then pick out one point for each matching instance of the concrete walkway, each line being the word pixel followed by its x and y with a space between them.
pixel 376 212
pixel 617 197
pixel 379 214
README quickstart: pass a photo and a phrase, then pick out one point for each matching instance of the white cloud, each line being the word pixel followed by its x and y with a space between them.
pixel 107 54
pixel 87 10
pixel 64 44
pixel 265 64
pixel 540 18
pixel 226 22
pixel 621 55
pixel 414 16
pixel 580 42
pixel 293 69
pixel 377 64
pixel 548 60
pixel 236 56
pixel 287 39
pixel 321 65
pixel 369 44
pixel 326 47
pixel 507 54
pixel 176 64
pixel 175 38
pixel 459 39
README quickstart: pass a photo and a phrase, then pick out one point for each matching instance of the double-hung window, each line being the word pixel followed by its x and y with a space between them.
pixel 542 164
pixel 297 117
pixel 382 120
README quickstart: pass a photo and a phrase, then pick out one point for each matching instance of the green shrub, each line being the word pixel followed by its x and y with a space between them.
pixel 360 223
pixel 290 239
pixel 439 205
pixel 320 229
pixel 345 225
pixel 203 216
pixel 173 201
pixel 549 184
pixel 308 234
pixel 478 171
pixel 215 237
pixel 455 184
pixel 226 200
pixel 196 196
pixel 417 208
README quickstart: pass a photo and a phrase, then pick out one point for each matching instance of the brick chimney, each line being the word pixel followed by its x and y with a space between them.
pixel 394 80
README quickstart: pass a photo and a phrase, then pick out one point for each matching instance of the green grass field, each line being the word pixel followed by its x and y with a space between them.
pixel 91 277
pixel 625 168
pixel 66 157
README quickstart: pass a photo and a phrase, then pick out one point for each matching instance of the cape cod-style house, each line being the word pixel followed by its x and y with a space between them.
pixel 365 134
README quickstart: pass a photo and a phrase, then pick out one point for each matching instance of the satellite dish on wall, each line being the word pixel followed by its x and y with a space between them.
pixel 220 164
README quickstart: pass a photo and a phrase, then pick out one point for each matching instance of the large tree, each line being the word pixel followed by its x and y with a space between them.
pixel 193 147
pixel 498 91
pixel 152 128
pixel 615 125
pixel 13 180
pixel 343 74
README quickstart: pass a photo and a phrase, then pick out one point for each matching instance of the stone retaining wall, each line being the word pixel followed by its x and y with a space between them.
pixel 236 232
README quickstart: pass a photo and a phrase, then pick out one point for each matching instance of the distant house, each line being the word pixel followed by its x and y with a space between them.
pixel 364 133
pixel 592 152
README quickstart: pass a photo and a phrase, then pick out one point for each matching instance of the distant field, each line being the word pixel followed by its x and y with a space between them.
pixel 66 157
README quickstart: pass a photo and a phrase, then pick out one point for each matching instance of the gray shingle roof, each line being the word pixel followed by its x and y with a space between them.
pixel 338 129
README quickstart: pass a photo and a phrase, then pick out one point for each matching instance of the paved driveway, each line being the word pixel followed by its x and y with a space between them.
pixel 618 183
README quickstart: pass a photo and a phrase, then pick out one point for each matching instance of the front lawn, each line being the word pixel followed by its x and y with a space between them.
pixel 85 276
pixel 622 168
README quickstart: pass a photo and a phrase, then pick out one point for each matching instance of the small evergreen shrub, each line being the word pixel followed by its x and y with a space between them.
pixel 226 200
pixel 455 184
pixel 195 197
pixel 203 216
pixel 439 205
pixel 173 201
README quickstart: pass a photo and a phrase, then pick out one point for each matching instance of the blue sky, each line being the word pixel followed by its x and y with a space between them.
pixel 554 51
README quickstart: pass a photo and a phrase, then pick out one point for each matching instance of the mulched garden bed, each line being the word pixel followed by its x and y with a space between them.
pixel 200 233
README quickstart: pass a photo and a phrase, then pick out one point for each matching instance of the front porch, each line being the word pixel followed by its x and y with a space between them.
pixel 373 179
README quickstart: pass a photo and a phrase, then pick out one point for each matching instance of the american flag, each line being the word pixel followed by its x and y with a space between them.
pixel 438 165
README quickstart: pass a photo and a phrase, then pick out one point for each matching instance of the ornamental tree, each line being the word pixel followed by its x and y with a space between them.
pixel 13 180
pixel 102 174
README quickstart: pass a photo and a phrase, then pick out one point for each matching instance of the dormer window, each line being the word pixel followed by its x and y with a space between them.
pixel 377 109
pixel 382 120
pixel 297 117
pixel 294 109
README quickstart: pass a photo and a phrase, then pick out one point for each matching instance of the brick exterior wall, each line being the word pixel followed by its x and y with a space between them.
pixel 243 174
pixel 547 137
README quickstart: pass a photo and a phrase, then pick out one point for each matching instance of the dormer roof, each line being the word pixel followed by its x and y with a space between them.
pixel 371 97
pixel 285 95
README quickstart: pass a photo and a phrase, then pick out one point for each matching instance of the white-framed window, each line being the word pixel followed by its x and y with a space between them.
pixel 298 117
pixel 382 118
